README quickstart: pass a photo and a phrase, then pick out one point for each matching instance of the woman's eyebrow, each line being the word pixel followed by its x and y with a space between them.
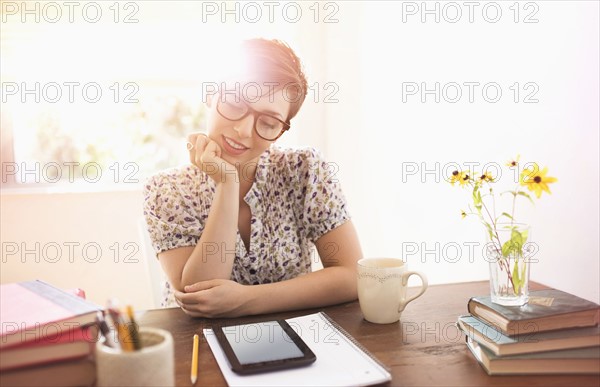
pixel 269 112
pixel 265 111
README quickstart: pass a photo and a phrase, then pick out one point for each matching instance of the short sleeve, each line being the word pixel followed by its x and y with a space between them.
pixel 169 210
pixel 324 204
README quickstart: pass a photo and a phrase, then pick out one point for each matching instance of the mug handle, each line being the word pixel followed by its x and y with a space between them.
pixel 424 284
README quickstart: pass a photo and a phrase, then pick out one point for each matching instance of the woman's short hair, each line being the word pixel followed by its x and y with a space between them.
pixel 274 64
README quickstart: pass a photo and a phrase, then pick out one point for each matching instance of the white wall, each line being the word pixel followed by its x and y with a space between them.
pixel 97 225
pixel 372 135
pixel 378 139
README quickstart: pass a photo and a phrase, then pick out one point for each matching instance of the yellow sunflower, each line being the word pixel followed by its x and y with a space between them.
pixel 486 177
pixel 463 214
pixel 455 177
pixel 536 180
pixel 462 178
pixel 465 178
pixel 514 162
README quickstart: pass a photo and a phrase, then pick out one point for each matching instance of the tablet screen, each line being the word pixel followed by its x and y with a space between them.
pixel 261 342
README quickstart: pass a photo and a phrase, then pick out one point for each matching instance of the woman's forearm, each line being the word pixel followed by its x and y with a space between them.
pixel 214 254
pixel 331 285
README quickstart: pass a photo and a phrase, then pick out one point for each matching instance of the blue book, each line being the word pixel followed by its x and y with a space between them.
pixel 497 342
pixel 570 361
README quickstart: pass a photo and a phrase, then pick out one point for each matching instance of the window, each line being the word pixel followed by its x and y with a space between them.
pixel 109 98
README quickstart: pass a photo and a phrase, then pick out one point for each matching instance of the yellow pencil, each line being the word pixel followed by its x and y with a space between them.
pixel 133 329
pixel 124 337
pixel 194 375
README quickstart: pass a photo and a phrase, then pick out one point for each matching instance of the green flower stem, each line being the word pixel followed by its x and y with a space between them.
pixel 493 204
pixel 504 261
pixel 512 214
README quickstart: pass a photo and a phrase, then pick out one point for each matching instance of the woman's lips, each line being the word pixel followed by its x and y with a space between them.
pixel 229 148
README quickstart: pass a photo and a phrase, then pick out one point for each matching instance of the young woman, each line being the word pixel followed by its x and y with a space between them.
pixel 234 230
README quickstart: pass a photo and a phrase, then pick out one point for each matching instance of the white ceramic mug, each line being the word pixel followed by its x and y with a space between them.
pixel 152 365
pixel 382 284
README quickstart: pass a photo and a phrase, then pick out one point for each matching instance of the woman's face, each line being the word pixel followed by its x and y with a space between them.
pixel 238 140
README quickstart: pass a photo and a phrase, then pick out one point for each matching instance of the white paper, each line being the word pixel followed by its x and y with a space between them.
pixel 339 362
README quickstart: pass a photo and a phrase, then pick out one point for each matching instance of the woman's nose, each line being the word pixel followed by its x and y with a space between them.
pixel 244 127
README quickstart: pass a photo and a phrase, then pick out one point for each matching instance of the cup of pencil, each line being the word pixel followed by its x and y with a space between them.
pixel 131 356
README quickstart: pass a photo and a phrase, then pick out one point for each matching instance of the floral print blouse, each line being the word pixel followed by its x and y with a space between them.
pixel 294 200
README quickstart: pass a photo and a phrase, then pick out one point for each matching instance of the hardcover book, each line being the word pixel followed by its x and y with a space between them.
pixel 34 309
pixel 80 372
pixel 65 345
pixel 570 361
pixel 493 339
pixel 546 310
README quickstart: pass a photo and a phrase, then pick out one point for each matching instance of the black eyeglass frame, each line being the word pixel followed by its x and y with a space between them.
pixel 255 115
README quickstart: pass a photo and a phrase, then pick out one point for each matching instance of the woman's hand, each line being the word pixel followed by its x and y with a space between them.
pixel 206 155
pixel 214 298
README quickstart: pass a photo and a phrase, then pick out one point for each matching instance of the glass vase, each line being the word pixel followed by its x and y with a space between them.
pixel 509 253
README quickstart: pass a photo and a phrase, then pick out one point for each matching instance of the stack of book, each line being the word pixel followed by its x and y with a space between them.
pixel 554 333
pixel 47 336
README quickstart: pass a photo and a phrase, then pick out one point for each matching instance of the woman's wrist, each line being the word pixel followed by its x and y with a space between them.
pixel 252 295
pixel 230 185
pixel 228 176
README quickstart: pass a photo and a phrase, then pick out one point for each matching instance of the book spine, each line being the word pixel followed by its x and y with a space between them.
pixel 68 301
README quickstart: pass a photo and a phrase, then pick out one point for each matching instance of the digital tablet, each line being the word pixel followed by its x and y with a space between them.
pixel 263 346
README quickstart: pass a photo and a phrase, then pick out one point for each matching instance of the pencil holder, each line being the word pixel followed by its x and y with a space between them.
pixel 152 365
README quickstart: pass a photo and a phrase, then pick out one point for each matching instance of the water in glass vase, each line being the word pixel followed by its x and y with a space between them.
pixel 509 252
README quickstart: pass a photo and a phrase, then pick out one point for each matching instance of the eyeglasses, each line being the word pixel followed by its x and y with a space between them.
pixel 232 107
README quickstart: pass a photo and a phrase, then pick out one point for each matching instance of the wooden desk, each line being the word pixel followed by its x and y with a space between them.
pixel 424 349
